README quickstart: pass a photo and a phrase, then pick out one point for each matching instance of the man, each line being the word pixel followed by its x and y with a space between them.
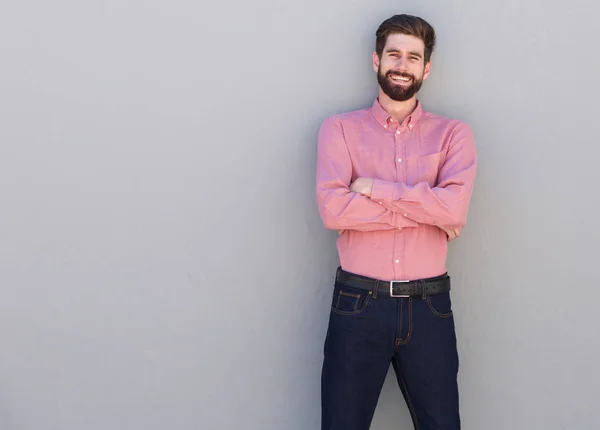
pixel 395 181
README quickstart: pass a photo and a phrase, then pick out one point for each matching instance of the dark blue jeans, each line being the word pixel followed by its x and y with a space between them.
pixel 368 330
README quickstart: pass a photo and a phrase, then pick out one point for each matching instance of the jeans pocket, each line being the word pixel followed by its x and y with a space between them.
pixel 348 300
pixel 440 305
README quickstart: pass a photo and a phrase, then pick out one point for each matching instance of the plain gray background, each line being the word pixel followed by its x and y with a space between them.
pixel 162 262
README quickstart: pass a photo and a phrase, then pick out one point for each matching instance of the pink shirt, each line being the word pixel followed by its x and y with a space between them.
pixel 424 171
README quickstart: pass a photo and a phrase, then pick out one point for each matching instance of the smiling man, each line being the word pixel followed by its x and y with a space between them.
pixel 395 181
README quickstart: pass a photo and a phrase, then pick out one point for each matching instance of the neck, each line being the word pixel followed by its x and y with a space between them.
pixel 397 110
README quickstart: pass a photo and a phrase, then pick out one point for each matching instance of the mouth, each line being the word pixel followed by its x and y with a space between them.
pixel 402 80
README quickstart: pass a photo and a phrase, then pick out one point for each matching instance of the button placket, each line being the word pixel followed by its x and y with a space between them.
pixel 400 149
pixel 400 138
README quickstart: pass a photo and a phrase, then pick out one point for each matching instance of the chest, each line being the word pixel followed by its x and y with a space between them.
pixel 406 156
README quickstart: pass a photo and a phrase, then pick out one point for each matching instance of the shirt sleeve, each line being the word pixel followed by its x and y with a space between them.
pixel 341 209
pixel 447 203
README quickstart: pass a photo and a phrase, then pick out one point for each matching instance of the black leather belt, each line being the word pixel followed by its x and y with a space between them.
pixel 415 288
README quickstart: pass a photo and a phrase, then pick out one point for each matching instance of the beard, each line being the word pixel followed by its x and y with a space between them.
pixel 396 91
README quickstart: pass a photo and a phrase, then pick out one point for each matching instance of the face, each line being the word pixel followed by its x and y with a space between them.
pixel 401 69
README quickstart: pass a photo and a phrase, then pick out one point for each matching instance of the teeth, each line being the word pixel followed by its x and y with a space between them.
pixel 400 78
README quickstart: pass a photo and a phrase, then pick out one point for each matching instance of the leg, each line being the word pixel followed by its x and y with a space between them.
pixel 358 350
pixel 427 366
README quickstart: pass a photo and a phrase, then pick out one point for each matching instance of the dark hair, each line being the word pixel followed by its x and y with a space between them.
pixel 406 24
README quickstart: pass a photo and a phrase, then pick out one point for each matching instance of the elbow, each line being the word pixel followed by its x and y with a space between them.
pixel 457 220
pixel 330 222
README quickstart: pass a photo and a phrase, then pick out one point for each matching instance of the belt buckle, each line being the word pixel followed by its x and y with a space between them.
pixel 392 289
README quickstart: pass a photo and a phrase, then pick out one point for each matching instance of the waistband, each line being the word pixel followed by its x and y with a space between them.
pixel 414 288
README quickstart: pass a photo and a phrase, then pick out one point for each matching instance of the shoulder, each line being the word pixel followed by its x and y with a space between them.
pixel 347 119
pixel 450 124
pixel 451 129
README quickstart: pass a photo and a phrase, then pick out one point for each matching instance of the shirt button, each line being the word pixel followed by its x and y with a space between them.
pixel 405 215
pixel 385 125
pixel 399 228
pixel 397 261
pixel 399 160
pixel 398 131
pixel 380 203
pixel 410 126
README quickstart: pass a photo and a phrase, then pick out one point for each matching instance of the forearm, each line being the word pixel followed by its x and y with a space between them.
pixel 447 206
pixel 341 209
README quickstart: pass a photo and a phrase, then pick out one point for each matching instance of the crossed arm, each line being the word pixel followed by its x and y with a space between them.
pixel 369 204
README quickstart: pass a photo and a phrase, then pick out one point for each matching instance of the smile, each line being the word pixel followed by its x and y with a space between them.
pixel 400 78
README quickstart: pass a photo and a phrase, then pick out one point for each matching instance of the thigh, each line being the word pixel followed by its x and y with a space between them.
pixel 427 366
pixel 358 350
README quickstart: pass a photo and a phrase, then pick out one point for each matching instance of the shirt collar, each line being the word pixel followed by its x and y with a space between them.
pixel 384 118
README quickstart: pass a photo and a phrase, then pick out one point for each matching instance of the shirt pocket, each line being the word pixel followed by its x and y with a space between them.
pixel 424 168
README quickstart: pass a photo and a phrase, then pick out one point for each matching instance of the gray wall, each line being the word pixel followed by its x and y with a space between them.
pixel 162 263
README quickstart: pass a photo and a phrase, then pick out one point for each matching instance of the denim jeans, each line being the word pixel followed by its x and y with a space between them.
pixel 369 330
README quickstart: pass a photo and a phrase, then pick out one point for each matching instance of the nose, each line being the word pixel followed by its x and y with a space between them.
pixel 402 64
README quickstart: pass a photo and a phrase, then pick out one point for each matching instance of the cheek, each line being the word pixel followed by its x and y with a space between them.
pixel 419 72
pixel 387 66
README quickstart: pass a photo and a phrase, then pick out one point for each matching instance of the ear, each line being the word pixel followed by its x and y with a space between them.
pixel 375 62
pixel 427 70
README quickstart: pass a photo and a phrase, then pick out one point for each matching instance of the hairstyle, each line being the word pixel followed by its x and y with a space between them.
pixel 406 24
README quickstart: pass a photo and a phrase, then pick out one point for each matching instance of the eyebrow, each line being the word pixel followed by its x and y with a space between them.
pixel 394 51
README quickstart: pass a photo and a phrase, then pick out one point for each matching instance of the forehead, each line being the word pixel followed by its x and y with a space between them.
pixel 404 42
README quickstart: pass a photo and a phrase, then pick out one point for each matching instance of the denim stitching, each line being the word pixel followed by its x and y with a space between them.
pixel 410 324
pixel 358 311
pixel 399 334
pixel 356 296
pixel 436 313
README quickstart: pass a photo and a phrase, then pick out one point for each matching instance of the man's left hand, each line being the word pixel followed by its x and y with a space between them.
pixel 362 186
pixel 452 233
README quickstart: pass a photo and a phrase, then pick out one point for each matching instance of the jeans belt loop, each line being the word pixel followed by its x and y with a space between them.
pixel 376 289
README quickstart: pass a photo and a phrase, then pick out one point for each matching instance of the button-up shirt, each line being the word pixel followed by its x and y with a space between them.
pixel 423 171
